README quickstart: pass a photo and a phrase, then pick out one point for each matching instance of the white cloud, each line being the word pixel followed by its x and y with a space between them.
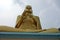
pixel 9 13
pixel 5 4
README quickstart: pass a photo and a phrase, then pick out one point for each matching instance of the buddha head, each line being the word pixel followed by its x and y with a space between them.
pixel 28 9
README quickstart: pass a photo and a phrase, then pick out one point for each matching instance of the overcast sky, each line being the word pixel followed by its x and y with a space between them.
pixel 47 10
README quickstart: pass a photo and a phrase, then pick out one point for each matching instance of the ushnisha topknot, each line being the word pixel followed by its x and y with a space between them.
pixel 28 7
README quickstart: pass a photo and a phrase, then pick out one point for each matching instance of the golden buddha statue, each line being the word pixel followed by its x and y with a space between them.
pixel 27 22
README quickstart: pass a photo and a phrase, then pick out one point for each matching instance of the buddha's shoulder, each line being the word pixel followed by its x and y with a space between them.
pixel 33 16
pixel 36 16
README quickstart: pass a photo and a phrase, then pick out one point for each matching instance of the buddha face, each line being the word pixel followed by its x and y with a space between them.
pixel 28 10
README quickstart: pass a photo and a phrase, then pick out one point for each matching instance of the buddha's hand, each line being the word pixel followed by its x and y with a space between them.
pixel 23 14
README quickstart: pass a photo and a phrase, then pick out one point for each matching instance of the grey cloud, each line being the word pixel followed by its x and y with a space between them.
pixel 57 2
pixel 19 2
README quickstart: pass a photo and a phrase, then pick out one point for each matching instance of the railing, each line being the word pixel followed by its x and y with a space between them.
pixel 28 35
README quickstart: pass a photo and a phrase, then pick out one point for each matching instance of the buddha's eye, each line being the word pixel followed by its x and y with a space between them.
pixel 28 8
